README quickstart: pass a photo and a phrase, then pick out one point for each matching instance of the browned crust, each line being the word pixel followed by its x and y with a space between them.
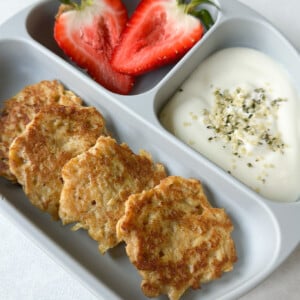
pixel 54 136
pixel 98 182
pixel 19 110
pixel 175 238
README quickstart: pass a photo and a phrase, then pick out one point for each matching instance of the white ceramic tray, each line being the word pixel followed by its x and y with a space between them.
pixel 265 232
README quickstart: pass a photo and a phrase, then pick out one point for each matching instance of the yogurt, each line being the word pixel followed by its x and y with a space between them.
pixel 239 109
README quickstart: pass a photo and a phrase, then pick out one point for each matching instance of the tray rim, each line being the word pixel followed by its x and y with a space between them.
pixel 38 237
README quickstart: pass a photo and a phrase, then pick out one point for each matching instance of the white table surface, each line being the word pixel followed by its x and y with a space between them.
pixel 27 273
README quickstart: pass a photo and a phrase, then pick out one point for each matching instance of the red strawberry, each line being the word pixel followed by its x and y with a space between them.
pixel 88 34
pixel 158 33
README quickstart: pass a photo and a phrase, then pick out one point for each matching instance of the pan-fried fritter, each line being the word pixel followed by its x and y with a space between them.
pixel 175 238
pixel 55 135
pixel 98 182
pixel 20 110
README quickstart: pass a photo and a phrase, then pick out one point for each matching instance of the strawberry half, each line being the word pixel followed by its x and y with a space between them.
pixel 158 33
pixel 88 34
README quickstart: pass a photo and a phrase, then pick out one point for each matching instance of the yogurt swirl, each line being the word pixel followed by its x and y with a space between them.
pixel 240 109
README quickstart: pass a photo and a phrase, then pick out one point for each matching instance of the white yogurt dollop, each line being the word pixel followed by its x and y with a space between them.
pixel 240 109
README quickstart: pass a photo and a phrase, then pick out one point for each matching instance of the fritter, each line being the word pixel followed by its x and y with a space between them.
pixel 20 110
pixel 97 184
pixel 175 238
pixel 55 135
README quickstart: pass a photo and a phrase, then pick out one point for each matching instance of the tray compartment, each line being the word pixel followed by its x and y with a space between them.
pixel 232 32
pixel 39 25
pixel 252 218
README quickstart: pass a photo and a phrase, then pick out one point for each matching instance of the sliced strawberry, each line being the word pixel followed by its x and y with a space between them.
pixel 158 33
pixel 88 34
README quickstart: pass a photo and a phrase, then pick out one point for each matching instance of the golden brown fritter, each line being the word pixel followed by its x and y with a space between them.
pixel 175 238
pixel 98 182
pixel 55 135
pixel 20 110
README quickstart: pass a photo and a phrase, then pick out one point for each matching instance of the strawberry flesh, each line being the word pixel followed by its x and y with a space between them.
pixel 89 35
pixel 158 33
